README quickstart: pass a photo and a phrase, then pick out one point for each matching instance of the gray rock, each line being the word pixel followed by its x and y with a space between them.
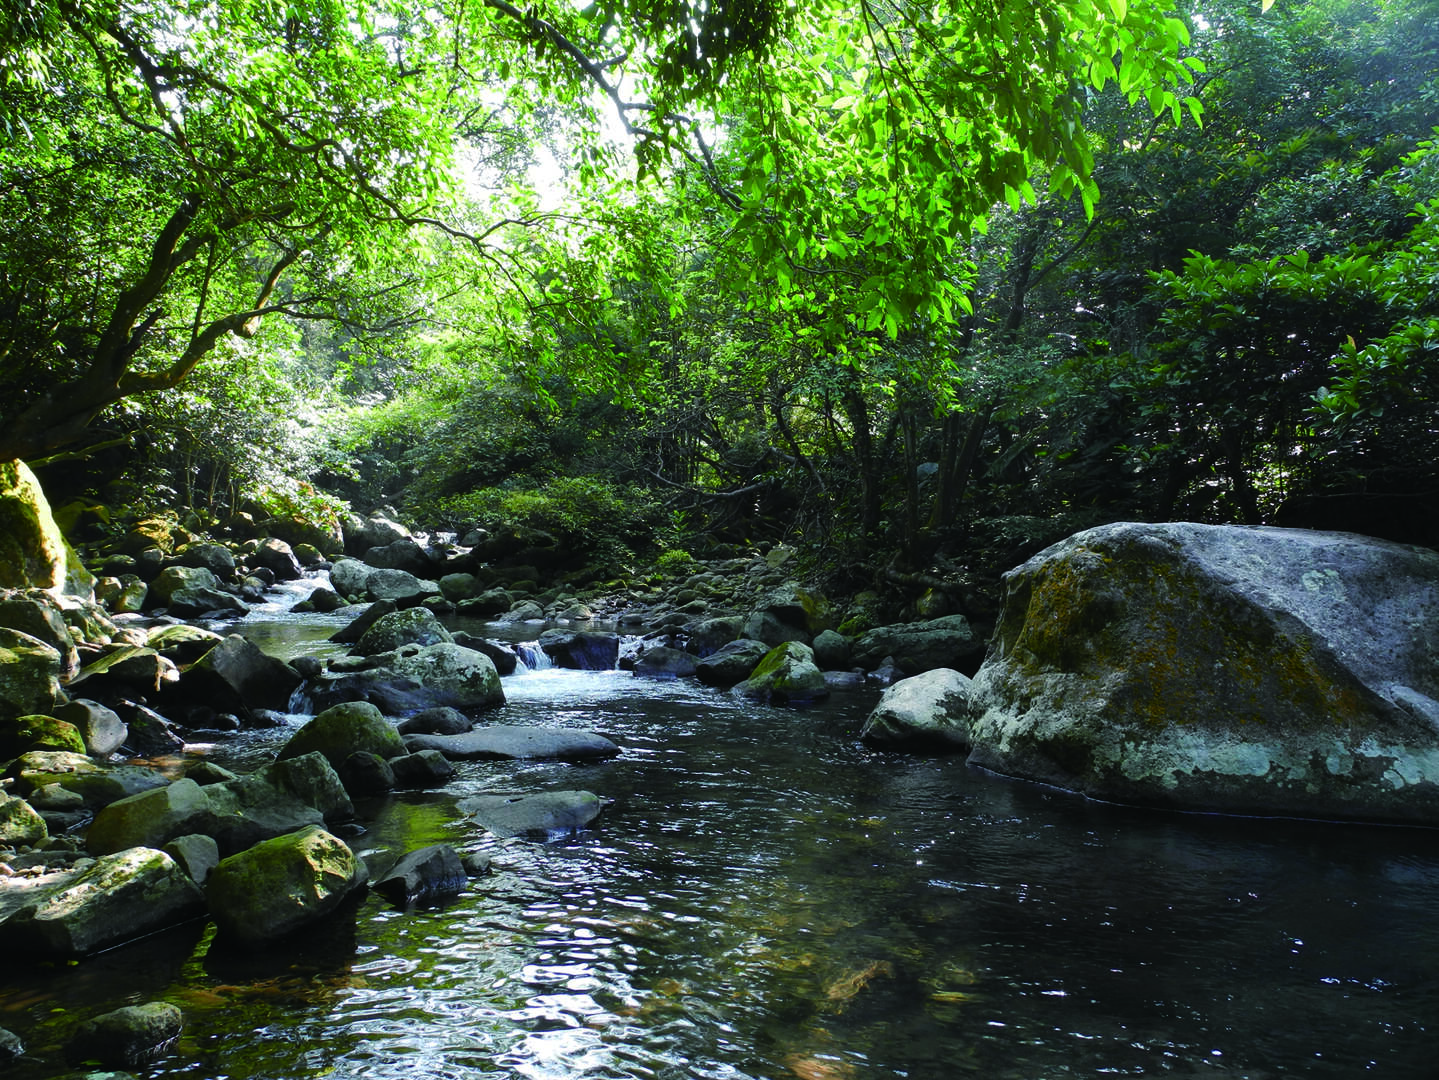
pixel 11 1048
pixel 366 773
pixel 831 650
pixel 182 643
pixel 277 557
pixel 663 662
pixel 427 877
pixel 916 647
pixel 216 558
pixel 116 899
pixel 422 769
pixel 132 1035
pixel 399 586
pixel 252 809
pixel 236 676
pixel 787 675
pixel 312 780
pixel 502 741
pixel 1242 670
pixel 403 554
pixel 361 534
pixel 587 650
pixel 925 711
pixel 103 731
pixel 352 632
pixel 201 602
pixel 731 663
pixel 460 586
pixel 441 720
pixel 174 578
pixel 503 656
pixel 709 635
pixel 281 885
pixel 769 628
pixel 98 783
pixel 351 577
pixel 413 626
pixel 549 814
pixel 494 601
pixel 196 854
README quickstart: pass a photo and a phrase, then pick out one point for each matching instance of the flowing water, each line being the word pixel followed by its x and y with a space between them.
pixel 767 898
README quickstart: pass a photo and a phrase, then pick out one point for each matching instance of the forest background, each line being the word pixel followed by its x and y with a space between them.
pixel 915 289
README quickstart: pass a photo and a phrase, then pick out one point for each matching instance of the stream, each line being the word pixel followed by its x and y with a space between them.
pixel 768 898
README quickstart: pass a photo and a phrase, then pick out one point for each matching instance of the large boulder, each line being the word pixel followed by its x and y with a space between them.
pixel 925 711
pixel 350 578
pixel 174 579
pixel 403 554
pixel 100 727
pixel 32 551
pixel 341 730
pixel 281 885
pixel 400 587
pixel 116 899
pixel 413 626
pixel 361 534
pixel 787 675
pixel 216 558
pixel 944 642
pixel 1218 668
pixel 29 674
pixel 277 557
pixel 451 674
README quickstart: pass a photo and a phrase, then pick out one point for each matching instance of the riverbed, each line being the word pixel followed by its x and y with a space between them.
pixel 765 897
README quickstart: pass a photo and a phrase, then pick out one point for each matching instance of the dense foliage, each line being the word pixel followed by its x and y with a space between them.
pixel 920 286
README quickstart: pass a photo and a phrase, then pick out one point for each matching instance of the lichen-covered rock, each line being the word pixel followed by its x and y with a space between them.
pixel 916 647
pixel 1244 670
pixel 39 614
pixel 412 626
pixel 20 823
pixel 453 675
pixel 342 729
pixel 282 884
pixel 29 674
pixel 929 710
pixel 132 1035
pixel 117 898
pixel 350 578
pixel 787 675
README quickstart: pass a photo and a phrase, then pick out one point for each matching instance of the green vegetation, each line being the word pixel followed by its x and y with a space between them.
pixel 916 289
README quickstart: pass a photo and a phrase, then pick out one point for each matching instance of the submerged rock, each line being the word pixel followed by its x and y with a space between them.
pixel 501 741
pixel 133 1035
pixel 1243 670
pixel 548 814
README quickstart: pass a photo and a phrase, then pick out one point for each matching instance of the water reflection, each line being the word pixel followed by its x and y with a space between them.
pixel 768 899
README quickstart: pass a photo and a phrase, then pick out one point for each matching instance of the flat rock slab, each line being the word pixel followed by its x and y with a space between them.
pixel 512 741
pixel 549 814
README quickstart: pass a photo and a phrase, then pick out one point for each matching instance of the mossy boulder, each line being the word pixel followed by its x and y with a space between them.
pixel 32 550
pixel 412 626
pixel 787 675
pixel 38 732
pixel 29 674
pixel 20 823
pixel 341 730
pixel 281 885
pixel 1219 668
pixel 453 675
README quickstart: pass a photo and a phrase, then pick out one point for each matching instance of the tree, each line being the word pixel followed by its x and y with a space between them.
pixel 175 176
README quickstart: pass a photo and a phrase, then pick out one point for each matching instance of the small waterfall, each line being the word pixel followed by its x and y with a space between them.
pixel 532 657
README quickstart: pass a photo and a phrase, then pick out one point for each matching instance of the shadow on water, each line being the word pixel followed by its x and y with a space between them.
pixel 767 898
